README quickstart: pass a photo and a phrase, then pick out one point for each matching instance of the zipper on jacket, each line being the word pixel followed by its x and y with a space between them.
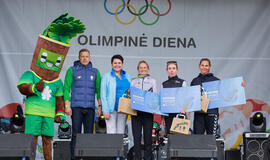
pixel 142 82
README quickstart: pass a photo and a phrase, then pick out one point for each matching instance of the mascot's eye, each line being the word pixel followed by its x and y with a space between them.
pixel 43 57
pixel 58 61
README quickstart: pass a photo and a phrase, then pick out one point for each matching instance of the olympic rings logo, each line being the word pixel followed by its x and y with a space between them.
pixel 136 14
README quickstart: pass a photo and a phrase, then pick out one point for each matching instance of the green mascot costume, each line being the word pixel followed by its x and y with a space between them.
pixel 44 89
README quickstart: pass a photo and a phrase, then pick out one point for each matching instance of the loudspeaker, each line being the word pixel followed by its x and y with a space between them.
pixel 254 145
pixel 234 154
pixel 201 146
pixel 17 146
pixel 61 149
pixel 100 146
pixel 220 149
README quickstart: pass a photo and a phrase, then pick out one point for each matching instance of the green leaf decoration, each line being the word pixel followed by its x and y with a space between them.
pixel 64 28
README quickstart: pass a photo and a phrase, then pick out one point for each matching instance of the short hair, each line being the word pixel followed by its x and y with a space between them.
pixel 84 50
pixel 205 59
pixel 117 56
pixel 143 61
pixel 172 62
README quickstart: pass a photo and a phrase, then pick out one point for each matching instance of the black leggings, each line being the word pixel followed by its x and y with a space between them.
pixel 205 122
pixel 145 121
pixel 168 121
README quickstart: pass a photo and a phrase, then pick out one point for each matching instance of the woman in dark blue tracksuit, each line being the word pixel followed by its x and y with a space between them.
pixel 172 82
pixel 205 121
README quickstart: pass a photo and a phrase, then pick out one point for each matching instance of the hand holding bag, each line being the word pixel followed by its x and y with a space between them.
pixel 204 101
pixel 180 124
pixel 124 106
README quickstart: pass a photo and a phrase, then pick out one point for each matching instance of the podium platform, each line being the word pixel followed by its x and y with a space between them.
pixel 195 146
pixel 100 146
pixel 17 146
pixel 61 149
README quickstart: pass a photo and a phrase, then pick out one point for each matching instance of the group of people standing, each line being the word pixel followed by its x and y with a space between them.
pixel 83 83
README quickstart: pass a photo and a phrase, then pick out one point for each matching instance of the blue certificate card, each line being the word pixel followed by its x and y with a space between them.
pixel 145 101
pixel 223 93
pixel 173 100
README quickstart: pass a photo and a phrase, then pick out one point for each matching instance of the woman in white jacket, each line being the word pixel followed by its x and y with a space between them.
pixel 143 119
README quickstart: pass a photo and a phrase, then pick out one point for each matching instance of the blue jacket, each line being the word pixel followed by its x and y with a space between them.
pixel 83 87
pixel 108 90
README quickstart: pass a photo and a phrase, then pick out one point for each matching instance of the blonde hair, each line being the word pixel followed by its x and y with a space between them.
pixel 143 61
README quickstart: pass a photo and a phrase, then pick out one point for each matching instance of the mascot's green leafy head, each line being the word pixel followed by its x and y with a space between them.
pixel 52 46
pixel 64 28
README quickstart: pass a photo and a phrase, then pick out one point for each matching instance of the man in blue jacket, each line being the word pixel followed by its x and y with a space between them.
pixel 84 83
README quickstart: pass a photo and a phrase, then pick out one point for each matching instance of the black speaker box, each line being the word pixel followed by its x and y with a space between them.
pixel 61 149
pixel 254 145
pixel 220 149
pixel 17 146
pixel 100 146
pixel 201 146
pixel 234 154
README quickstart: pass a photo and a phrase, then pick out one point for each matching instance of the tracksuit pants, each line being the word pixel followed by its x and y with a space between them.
pixel 205 122
pixel 142 120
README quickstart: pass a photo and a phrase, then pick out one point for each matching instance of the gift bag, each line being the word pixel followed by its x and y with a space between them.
pixel 204 101
pixel 124 106
pixel 204 104
pixel 180 125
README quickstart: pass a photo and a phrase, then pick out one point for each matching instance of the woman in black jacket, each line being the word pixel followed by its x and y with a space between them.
pixel 205 121
pixel 172 82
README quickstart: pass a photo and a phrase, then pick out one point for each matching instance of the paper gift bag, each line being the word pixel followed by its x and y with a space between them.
pixel 124 106
pixel 204 104
pixel 180 126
